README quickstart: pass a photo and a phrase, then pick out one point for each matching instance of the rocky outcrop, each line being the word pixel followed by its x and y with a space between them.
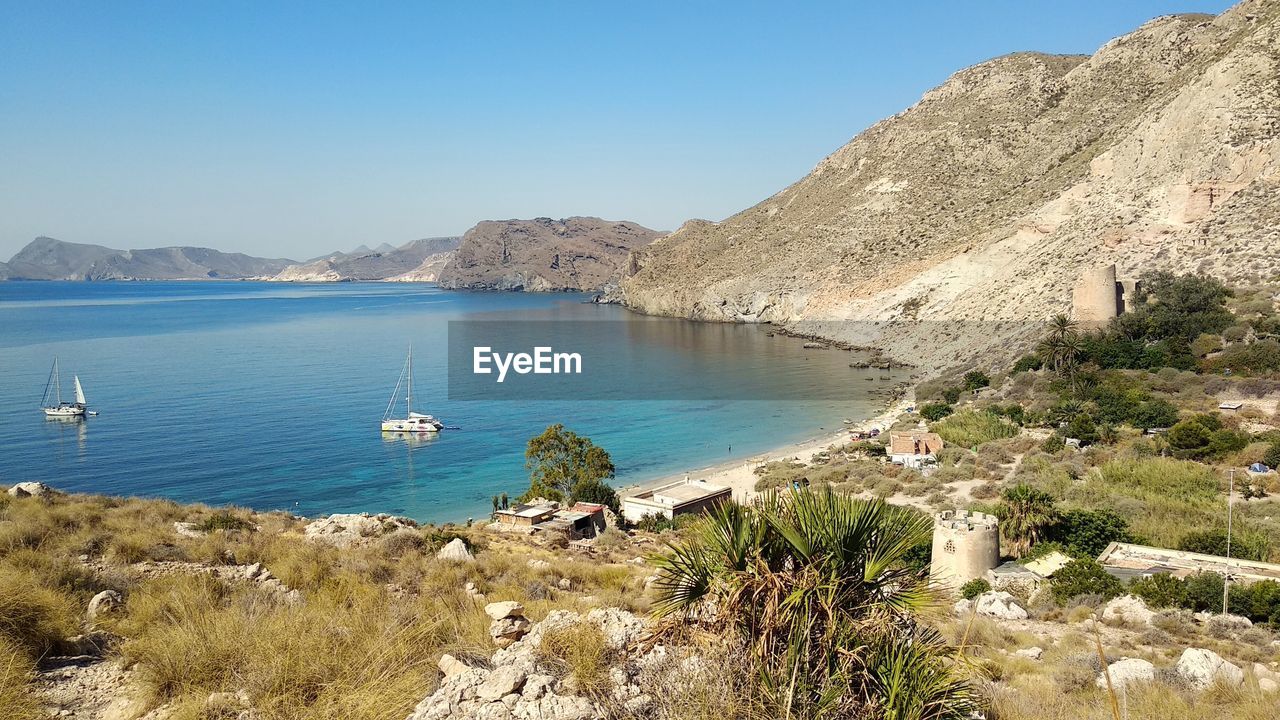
pixel 543 255
pixel 31 489
pixel 520 685
pixel 1127 610
pixel 49 259
pixel 102 604
pixel 351 529
pixel 975 211
pixel 1203 668
pixel 455 551
pixel 509 623
pixel 1126 672
pixel 996 604
pixel 408 263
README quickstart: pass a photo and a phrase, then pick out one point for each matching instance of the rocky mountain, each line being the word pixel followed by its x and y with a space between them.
pixel 49 259
pixel 384 263
pixel 980 206
pixel 4 271
pixel 544 255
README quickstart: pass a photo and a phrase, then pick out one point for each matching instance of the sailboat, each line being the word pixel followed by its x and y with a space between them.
pixel 58 408
pixel 413 422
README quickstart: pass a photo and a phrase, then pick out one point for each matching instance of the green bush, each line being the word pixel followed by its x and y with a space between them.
pixel 1086 533
pixel 1272 456
pixel 1084 577
pixel 935 411
pixel 1204 592
pixel 1028 362
pixel 974 588
pixel 1053 443
pixel 223 520
pixel 1161 590
pixel 1244 545
pixel 976 379
pixel 951 395
pixel 973 428
pixel 592 490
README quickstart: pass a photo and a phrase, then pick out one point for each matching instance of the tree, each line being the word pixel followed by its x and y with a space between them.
pixel 1062 347
pixel 1084 577
pixel 975 379
pixel 559 458
pixel 1272 456
pixel 1086 533
pixel 594 491
pixel 819 585
pixel 1025 513
pixel 1161 590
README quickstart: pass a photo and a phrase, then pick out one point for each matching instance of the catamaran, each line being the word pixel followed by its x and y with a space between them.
pixel 413 422
pixel 58 408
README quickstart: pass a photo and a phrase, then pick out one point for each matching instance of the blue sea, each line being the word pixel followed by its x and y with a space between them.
pixel 269 395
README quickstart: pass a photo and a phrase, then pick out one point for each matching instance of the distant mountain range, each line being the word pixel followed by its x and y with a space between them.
pixel 578 253
pixel 418 260
pixel 49 259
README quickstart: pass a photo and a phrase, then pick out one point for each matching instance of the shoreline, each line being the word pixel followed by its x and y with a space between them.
pixel 739 475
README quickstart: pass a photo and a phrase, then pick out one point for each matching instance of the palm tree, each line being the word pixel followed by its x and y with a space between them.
pixel 1062 347
pixel 819 585
pixel 1025 514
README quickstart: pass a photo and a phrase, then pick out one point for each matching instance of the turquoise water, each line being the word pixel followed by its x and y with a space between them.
pixel 268 395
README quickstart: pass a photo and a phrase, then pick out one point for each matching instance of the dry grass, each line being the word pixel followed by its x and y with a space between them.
pixel 579 653
pixel 17 698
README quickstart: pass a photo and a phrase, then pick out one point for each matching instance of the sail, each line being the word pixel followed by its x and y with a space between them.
pixel 79 391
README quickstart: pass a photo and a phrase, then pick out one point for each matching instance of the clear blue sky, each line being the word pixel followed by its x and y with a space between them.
pixel 292 129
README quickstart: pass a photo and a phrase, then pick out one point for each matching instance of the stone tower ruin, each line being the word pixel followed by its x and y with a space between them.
pixel 1098 298
pixel 965 546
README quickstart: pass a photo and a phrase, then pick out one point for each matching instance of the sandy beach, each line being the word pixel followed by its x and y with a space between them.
pixel 740 474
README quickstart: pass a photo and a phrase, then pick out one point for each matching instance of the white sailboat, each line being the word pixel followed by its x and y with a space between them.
pixel 57 408
pixel 413 422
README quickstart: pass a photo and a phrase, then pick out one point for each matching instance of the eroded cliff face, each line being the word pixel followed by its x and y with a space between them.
pixel 543 255
pixel 979 206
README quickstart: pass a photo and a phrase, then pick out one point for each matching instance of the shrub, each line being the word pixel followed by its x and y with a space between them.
pixel 592 490
pixel 1161 590
pixel 974 588
pixel 935 411
pixel 1214 542
pixel 973 428
pixel 1272 456
pixel 1083 577
pixel 951 395
pixel 34 619
pixel 1054 443
pixel 975 379
pixel 1204 592
pixel 223 520
pixel 1028 362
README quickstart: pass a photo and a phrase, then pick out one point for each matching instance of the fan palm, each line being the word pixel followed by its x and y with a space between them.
pixel 818 583
pixel 1025 515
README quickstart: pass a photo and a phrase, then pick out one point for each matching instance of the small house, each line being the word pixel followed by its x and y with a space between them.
pixel 678 498
pixel 914 449
pixel 525 515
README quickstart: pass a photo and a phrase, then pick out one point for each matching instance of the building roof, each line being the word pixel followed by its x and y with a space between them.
pixel 1048 564
pixel 914 442
pixel 528 511
pixel 678 493
pixel 1230 405
pixel 1012 568
pixel 590 508
pixel 1127 556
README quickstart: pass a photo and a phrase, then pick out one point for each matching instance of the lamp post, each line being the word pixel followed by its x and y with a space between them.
pixel 1226 576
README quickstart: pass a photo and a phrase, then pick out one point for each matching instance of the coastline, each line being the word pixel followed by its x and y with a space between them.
pixel 740 474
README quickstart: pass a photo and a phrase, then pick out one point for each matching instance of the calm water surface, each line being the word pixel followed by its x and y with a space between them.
pixel 268 396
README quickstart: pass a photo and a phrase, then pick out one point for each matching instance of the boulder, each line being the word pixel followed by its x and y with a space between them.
pixel 187 529
pixel 538 564
pixel 450 665
pixel 103 603
pixel 501 682
pixel 1268 685
pixel 1126 671
pixel 1002 605
pixel 963 607
pixel 503 610
pixel 1127 610
pixel 1031 653
pixel 1202 668
pixel 455 551
pixel 507 631
pixel 31 489
pixel 1227 623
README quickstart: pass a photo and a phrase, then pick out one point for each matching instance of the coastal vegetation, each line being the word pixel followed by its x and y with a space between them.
pixel 563 464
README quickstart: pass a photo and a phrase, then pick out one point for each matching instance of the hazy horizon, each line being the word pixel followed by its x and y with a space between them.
pixel 293 131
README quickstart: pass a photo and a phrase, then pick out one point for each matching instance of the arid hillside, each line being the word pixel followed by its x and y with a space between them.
pixel 980 206
pixel 577 253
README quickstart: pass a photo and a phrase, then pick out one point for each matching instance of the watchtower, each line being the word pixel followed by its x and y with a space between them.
pixel 965 546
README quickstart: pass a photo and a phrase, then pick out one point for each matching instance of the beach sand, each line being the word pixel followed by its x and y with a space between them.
pixel 740 474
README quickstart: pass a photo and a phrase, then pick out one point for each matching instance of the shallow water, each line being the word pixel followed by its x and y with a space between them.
pixel 268 395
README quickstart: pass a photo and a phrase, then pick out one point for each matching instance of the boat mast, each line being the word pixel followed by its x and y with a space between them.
pixel 408 398
pixel 57 379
